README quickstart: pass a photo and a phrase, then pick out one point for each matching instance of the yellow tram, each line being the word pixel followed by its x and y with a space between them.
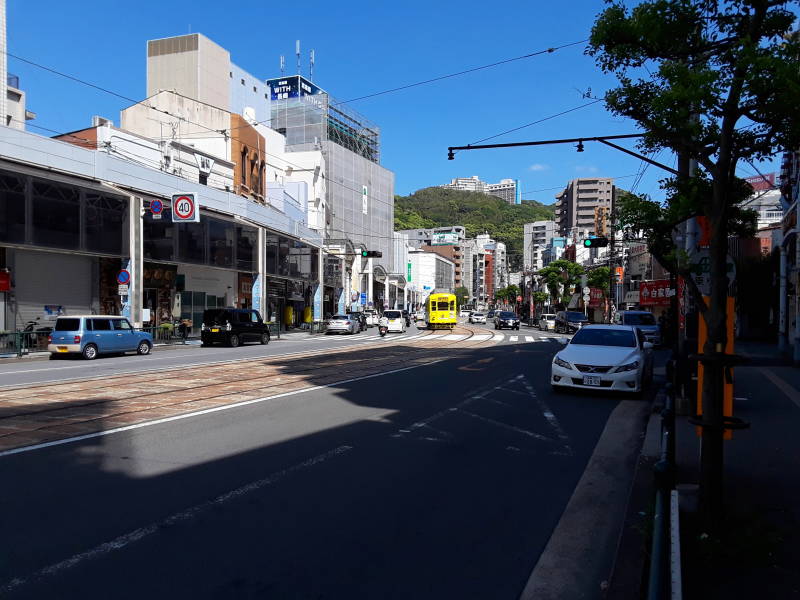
pixel 440 310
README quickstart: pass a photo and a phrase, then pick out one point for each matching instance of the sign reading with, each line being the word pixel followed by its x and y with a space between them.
pixel 184 209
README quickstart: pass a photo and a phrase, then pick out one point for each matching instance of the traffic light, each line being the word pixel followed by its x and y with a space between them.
pixel 595 242
pixel 371 253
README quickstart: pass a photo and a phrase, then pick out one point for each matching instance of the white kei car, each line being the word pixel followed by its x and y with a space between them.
pixel 605 357
pixel 397 321
pixel 477 317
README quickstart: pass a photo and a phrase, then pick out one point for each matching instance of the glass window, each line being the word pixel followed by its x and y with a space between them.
pixel 192 242
pixel 604 337
pixel 12 208
pixel 121 324
pixel 211 301
pixel 104 223
pixel 220 240
pixel 99 325
pixel 159 236
pixel 246 242
pixel 639 319
pixel 56 215
pixel 67 325
pixel 575 317
pixel 283 256
pixel 272 254
pixel 443 305
pixel 253 316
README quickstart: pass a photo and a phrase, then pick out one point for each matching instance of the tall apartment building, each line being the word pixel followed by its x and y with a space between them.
pixel 575 205
pixel 536 237
pixel 435 236
pixel 506 189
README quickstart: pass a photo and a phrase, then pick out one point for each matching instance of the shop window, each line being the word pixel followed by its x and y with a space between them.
pixel 12 208
pixel 104 223
pixel 271 265
pixel 56 215
pixel 192 242
pixel 220 240
pixel 283 256
pixel 246 242
pixel 159 237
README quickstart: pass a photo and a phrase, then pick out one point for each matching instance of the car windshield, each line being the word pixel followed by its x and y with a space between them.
pixel 477 314
pixel 339 318
pixel 63 324
pixel 576 316
pixel 392 314
pixel 549 317
pixel 507 315
pixel 639 319
pixel 604 337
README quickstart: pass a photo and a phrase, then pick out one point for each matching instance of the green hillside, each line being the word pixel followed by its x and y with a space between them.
pixel 478 213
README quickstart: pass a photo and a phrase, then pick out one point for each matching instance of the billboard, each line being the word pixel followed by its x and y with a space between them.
pixel 295 86
pixel 444 239
pixel 655 293
pixel 762 182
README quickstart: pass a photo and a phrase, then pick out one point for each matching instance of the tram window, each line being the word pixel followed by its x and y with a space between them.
pixel 452 304
pixel 443 305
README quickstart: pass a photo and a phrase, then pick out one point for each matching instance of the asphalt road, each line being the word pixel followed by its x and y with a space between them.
pixel 443 481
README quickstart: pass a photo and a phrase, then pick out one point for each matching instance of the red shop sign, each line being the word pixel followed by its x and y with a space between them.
pixel 5 281
pixel 655 293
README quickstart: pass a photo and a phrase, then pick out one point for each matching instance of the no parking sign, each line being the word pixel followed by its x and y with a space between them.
pixel 185 209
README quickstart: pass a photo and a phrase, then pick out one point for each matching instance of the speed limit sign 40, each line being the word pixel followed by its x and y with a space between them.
pixel 185 209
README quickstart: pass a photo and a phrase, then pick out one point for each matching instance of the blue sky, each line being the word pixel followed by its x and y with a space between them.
pixel 361 48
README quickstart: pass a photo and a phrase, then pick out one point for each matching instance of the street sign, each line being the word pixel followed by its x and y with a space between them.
pixel 363 297
pixel 586 290
pixel 156 208
pixel 122 290
pixel 123 277
pixel 701 270
pixel 586 297
pixel 184 209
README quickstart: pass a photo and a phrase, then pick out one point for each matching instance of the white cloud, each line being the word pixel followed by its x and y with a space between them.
pixel 586 169
pixel 538 167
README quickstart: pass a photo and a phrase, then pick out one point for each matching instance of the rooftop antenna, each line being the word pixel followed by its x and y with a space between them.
pixel 297 52
pixel 283 65
pixel 311 67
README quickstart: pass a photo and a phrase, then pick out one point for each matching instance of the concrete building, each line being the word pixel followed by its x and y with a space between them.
pixel 430 271
pixel 506 189
pixel 435 236
pixel 575 205
pixel 536 237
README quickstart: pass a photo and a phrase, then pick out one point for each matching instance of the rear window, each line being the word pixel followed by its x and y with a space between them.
pixel 549 317
pixel 576 316
pixel 477 314
pixel 639 319
pixel 63 324
pixel 392 314
pixel 216 316
pixel 339 318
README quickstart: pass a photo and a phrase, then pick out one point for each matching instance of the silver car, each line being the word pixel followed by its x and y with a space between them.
pixel 342 324
pixel 477 317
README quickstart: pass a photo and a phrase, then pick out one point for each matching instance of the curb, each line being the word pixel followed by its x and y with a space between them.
pixel 573 563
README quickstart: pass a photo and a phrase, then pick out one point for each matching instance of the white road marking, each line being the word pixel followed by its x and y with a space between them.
pixel 548 414
pixel 513 338
pixel 529 338
pixel 480 338
pixel 514 428
pixel 185 515
pixel 787 389
pixel 206 411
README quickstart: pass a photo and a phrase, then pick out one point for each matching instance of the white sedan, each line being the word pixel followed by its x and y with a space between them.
pixel 397 321
pixel 606 357
pixel 477 317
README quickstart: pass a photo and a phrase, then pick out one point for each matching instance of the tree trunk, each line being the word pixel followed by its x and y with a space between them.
pixel 711 459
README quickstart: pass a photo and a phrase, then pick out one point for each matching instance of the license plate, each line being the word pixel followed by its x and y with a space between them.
pixel 63 349
pixel 591 380
pixel 215 330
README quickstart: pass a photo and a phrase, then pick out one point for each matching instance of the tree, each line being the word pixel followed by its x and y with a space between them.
pixel 462 295
pixel 721 87
pixel 559 276
pixel 512 292
pixel 540 297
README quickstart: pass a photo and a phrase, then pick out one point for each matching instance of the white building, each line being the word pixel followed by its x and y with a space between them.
pixel 536 237
pixel 506 189
pixel 430 271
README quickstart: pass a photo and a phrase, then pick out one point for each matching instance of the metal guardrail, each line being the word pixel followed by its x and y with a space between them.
pixel 166 334
pixel 664 579
pixel 20 343
pixel 274 329
pixel 318 327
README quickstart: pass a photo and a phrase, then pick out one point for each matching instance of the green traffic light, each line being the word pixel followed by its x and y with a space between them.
pixel 364 253
pixel 587 243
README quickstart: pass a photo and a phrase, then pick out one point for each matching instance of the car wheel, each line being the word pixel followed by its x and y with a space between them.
pixel 89 352
pixel 264 339
pixel 143 349
pixel 233 340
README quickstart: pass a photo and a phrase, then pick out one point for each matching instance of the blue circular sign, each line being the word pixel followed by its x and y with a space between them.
pixel 123 277
pixel 156 207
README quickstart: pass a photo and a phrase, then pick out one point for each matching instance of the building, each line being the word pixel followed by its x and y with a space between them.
pixel 435 236
pixel 506 189
pixel 536 237
pixel 454 253
pixel 430 271
pixel 575 205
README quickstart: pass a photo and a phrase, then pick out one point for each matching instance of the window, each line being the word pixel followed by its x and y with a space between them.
pixel 253 316
pixel 56 215
pixel 203 179
pixel 104 219
pixel 121 324
pixel 254 89
pixel 242 81
pixel 12 208
pixel 67 325
pixel 99 325
pixel 243 166
pixel 220 240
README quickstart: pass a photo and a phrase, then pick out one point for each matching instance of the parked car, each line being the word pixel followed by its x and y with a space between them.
pixel 420 315
pixel 490 314
pixel 92 335
pixel 464 312
pixel 342 324
pixel 506 318
pixel 477 317
pixel 568 321
pixel 233 326
pixel 609 357
pixel 396 321
pixel 642 319
pixel 372 317
pixel 547 322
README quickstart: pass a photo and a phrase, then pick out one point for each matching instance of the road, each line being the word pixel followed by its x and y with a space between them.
pixel 443 477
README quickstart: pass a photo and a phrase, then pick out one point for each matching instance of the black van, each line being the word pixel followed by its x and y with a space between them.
pixel 233 326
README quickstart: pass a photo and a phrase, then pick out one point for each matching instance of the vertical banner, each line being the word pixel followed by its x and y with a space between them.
pixel 257 295
pixel 364 198
pixel 318 303
pixel 702 336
